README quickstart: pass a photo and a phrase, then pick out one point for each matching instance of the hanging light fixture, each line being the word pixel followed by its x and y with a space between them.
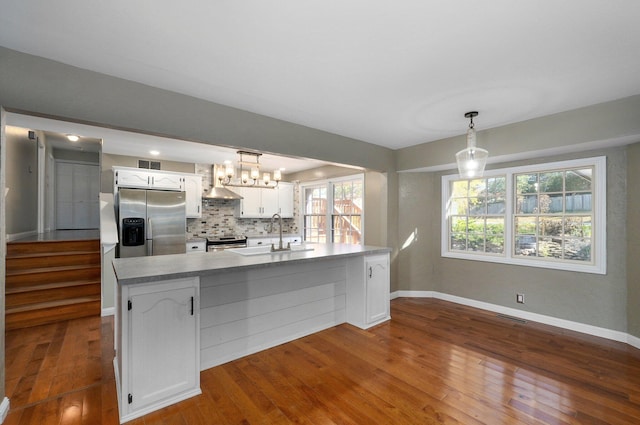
pixel 472 159
pixel 249 173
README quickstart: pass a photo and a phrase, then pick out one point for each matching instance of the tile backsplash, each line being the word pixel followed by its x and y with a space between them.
pixel 218 215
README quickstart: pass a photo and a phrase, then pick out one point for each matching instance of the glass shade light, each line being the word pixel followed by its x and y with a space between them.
pixel 229 170
pixel 277 175
pixel 266 178
pixel 471 160
pixel 245 177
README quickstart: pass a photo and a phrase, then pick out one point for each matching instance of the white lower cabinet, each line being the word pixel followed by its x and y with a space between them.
pixel 368 291
pixel 158 355
pixel 377 287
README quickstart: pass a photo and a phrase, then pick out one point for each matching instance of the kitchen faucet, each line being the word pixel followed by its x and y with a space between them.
pixel 280 247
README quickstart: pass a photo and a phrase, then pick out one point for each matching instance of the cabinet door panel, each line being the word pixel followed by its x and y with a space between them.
pixel 193 189
pixel 166 181
pixel 269 202
pixel 285 199
pixel 161 338
pixel 132 178
pixel 251 204
pixel 377 269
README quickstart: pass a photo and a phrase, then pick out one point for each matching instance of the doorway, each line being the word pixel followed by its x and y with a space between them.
pixel 77 190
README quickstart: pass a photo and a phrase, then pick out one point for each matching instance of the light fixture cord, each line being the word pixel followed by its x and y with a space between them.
pixel 471 124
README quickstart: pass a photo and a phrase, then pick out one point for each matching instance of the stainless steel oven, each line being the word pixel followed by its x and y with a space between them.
pixel 226 242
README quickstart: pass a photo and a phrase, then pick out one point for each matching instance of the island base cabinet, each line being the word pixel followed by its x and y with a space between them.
pixel 368 291
pixel 159 354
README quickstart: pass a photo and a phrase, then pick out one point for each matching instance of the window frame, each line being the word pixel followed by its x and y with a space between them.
pixel 329 184
pixel 598 265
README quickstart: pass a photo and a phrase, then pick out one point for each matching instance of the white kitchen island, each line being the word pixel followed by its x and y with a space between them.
pixel 179 314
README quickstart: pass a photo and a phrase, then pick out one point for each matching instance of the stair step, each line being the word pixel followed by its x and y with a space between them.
pixel 28 277
pixel 37 260
pixel 50 292
pixel 51 311
pixel 31 247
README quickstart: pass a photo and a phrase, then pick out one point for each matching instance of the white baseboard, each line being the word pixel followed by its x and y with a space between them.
pixel 4 409
pixel 14 236
pixel 108 311
pixel 534 317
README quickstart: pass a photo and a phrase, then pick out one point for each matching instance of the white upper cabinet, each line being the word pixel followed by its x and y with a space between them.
pixel 285 199
pixel 269 202
pixel 131 177
pixel 166 181
pixel 193 189
pixel 264 203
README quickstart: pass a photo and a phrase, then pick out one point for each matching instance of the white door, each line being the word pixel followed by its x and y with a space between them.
pixel 77 196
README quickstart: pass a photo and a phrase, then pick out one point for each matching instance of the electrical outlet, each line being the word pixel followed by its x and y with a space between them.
pixel 520 298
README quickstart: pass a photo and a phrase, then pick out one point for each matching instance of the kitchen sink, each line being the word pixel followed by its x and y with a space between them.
pixel 264 250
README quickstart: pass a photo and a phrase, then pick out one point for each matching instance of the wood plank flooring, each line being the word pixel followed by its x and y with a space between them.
pixel 434 363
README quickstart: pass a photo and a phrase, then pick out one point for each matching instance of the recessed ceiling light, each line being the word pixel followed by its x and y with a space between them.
pixel 154 153
pixel 73 137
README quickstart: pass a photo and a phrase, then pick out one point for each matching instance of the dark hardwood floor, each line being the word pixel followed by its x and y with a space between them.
pixel 435 362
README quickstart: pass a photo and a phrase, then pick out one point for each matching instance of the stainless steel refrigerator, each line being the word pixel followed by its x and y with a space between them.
pixel 151 222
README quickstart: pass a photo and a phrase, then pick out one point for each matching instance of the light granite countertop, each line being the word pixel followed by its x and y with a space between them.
pixel 163 267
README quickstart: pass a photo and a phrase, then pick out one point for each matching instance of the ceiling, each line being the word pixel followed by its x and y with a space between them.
pixel 394 74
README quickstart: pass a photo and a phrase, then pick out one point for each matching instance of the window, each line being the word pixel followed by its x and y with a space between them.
pixel 477 215
pixel 333 210
pixel 315 213
pixel 547 215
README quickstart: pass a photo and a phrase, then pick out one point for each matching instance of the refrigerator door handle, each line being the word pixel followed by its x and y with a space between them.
pixel 149 237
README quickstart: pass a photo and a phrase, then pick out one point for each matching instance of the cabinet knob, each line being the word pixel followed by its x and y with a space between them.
pixel 370 271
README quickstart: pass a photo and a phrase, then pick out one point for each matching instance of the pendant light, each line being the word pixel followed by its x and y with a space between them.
pixel 472 159
pixel 249 173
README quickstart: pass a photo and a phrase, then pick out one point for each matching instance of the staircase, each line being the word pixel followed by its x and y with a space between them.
pixel 51 281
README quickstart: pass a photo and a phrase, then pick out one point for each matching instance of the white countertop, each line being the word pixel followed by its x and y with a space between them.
pixel 176 266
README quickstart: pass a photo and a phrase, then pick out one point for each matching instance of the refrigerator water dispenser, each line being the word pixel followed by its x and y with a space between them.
pixel 133 231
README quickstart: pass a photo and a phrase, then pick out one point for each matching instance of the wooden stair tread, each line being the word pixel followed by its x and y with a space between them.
pixel 49 254
pixel 53 241
pixel 56 246
pixel 50 269
pixel 45 286
pixel 51 304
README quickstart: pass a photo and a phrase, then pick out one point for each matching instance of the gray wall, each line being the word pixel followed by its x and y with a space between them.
pixel 599 300
pixel 22 181
pixel 608 301
pixel 34 84
pixel 633 240
pixel 592 127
